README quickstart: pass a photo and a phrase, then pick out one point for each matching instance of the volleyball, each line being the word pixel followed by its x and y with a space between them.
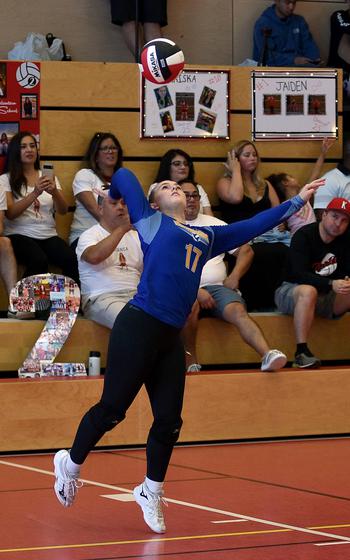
pixel 28 75
pixel 161 61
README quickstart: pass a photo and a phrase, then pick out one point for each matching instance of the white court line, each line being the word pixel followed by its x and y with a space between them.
pixel 119 497
pixel 331 543
pixel 231 521
pixel 197 506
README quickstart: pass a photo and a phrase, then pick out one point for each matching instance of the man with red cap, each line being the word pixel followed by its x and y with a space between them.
pixel 317 276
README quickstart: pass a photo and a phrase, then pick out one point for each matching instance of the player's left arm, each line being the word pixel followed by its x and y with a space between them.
pixel 238 233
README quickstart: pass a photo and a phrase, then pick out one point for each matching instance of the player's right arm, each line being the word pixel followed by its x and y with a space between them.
pixel 146 220
pixel 125 185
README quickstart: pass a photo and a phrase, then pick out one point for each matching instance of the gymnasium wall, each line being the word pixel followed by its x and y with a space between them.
pixel 80 98
pixel 209 31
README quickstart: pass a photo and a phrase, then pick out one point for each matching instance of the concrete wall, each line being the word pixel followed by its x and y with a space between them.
pixel 209 31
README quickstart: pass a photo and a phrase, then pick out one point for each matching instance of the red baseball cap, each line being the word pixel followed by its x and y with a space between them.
pixel 341 205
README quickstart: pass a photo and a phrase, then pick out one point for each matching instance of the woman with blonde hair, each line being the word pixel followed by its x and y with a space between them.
pixel 243 194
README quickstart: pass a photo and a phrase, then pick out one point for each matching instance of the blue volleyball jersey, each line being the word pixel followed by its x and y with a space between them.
pixel 175 253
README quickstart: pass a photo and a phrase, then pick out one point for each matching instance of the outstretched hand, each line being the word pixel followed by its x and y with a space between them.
pixel 309 189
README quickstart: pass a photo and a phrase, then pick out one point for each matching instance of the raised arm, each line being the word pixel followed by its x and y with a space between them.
pixel 125 185
pixel 230 189
pixel 236 234
pixel 327 143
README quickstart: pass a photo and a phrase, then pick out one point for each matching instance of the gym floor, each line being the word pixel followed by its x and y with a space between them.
pixel 247 501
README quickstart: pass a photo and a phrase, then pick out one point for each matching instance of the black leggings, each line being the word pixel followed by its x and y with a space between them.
pixel 142 350
pixel 37 254
pixel 259 284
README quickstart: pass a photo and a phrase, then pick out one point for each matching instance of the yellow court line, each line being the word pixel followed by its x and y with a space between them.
pixel 163 539
pixel 140 541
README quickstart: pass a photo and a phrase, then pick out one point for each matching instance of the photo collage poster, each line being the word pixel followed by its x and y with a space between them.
pixel 194 105
pixel 55 298
pixel 294 104
pixel 19 102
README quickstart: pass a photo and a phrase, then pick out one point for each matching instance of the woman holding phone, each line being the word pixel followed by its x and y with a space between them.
pixel 33 198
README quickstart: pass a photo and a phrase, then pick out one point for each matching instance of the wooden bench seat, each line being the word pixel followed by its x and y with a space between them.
pixel 218 342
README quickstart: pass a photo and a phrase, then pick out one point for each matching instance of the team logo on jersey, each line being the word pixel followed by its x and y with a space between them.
pixel 327 266
pixel 196 234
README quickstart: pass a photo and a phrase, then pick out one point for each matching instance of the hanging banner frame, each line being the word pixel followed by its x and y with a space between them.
pixel 294 105
pixel 194 105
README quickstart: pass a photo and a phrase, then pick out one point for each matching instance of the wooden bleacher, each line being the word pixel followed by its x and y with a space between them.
pixel 218 343
pixel 44 413
pixel 41 414
pixel 78 99
pixel 219 405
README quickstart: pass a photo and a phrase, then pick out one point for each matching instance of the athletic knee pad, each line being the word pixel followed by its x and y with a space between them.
pixel 105 417
pixel 166 433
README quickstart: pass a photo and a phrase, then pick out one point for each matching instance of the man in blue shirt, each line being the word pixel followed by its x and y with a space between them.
pixel 282 38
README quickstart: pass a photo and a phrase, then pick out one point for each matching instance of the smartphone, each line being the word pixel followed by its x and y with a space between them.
pixel 47 170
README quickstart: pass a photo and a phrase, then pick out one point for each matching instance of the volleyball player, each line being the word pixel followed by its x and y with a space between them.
pixel 145 346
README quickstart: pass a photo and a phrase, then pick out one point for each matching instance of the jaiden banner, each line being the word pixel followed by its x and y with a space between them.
pixel 19 101
pixel 294 104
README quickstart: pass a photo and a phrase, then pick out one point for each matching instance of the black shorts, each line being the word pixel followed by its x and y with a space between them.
pixel 150 11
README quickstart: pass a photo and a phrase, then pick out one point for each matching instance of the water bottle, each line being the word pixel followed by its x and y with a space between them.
pixel 94 363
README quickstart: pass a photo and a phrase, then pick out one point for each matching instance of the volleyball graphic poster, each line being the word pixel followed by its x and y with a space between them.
pixel 19 101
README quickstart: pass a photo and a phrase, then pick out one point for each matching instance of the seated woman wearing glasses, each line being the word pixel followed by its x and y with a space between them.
pixel 103 157
pixel 177 165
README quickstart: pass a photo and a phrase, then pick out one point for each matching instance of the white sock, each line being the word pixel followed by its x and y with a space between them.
pixel 153 486
pixel 72 467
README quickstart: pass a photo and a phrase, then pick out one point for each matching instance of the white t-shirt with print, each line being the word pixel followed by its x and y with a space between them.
pixel 38 220
pixel 3 201
pixel 84 181
pixel 120 271
pixel 214 271
pixel 337 185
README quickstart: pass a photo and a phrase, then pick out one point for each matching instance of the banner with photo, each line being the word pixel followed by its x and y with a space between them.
pixel 19 101
pixel 294 104
pixel 195 105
